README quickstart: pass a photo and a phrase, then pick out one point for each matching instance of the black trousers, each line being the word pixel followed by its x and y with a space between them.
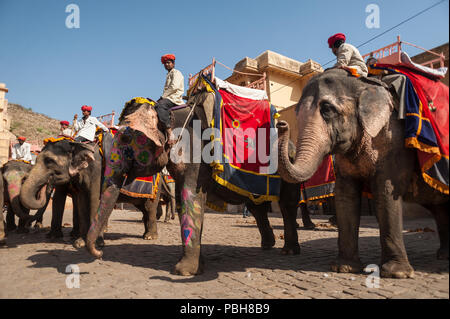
pixel 163 107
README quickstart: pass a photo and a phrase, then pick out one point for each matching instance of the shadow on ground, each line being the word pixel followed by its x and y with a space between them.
pixel 316 256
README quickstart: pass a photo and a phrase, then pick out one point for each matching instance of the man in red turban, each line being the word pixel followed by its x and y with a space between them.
pixel 348 57
pixel 65 130
pixel 21 150
pixel 86 127
pixel 172 94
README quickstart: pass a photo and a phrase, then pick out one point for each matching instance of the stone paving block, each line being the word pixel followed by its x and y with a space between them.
pixel 236 267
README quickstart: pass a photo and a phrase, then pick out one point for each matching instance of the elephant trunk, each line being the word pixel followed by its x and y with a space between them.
pixel 308 156
pixel 13 184
pixel 107 202
pixel 33 192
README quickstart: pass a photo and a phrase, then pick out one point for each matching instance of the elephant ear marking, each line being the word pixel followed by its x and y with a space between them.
pixel 375 107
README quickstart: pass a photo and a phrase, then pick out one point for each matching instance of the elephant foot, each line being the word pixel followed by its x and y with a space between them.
pixel 309 225
pixel 23 230
pixel 442 254
pixel 3 241
pixel 268 242
pixel 333 220
pixel 347 266
pixel 291 249
pixel 38 225
pixel 150 236
pixel 55 234
pixel 100 242
pixel 79 243
pixel 396 269
pixel 189 266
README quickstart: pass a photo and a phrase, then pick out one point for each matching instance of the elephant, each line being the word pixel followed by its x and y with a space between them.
pixel 167 196
pixel 2 223
pixel 357 121
pixel 14 173
pixel 136 153
pixel 75 169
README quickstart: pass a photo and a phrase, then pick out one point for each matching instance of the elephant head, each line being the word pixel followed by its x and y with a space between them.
pixel 335 114
pixel 14 174
pixel 55 165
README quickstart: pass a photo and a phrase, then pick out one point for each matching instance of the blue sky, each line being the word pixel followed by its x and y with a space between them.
pixel 115 54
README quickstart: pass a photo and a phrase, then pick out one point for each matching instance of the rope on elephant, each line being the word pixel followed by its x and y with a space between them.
pixel 185 123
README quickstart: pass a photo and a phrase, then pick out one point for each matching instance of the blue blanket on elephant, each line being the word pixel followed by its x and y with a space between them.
pixel 247 133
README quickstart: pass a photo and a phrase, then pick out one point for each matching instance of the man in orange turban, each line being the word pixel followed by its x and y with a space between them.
pixel 348 57
pixel 172 94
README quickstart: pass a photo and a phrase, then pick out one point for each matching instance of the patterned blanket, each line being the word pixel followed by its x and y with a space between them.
pixel 427 124
pixel 240 168
pixel 321 184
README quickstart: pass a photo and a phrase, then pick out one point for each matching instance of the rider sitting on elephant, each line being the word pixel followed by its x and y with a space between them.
pixel 21 150
pixel 348 57
pixel 86 127
pixel 172 94
pixel 65 130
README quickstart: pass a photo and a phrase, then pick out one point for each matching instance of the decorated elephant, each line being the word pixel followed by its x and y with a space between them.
pixel 167 197
pixel 14 173
pixel 75 169
pixel 2 223
pixel 357 121
pixel 140 148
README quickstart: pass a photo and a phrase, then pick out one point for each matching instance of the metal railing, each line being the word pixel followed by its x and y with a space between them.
pixel 391 54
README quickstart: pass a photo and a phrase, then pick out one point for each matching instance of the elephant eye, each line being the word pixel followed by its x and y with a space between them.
pixel 327 110
pixel 49 161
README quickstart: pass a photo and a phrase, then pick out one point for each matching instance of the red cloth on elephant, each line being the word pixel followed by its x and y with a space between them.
pixel 427 124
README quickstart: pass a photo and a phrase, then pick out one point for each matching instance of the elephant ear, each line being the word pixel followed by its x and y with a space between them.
pixel 375 108
pixel 82 155
pixel 145 120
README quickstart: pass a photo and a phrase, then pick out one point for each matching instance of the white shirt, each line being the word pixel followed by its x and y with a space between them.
pixel 21 152
pixel 67 132
pixel 86 128
pixel 174 87
pixel 348 55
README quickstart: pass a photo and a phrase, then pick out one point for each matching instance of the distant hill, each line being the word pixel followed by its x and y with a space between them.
pixel 34 126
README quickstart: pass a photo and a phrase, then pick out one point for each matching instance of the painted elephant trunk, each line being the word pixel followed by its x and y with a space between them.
pixel 33 192
pixel 109 198
pixel 307 158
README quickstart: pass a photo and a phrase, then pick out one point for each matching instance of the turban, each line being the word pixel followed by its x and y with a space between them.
pixel 86 108
pixel 167 57
pixel 64 123
pixel 21 138
pixel 334 38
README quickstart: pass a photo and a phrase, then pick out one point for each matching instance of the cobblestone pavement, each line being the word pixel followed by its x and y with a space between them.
pixel 235 265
